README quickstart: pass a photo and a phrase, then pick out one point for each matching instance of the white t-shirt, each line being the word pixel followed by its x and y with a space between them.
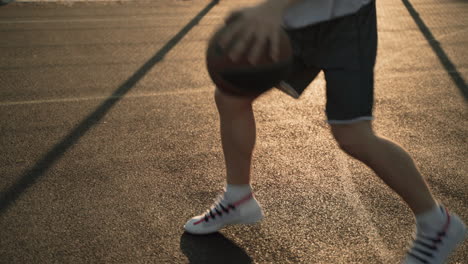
pixel 308 12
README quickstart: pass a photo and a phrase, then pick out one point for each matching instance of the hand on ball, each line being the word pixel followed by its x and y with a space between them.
pixel 256 27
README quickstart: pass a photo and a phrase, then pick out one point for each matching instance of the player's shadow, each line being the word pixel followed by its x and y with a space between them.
pixel 212 249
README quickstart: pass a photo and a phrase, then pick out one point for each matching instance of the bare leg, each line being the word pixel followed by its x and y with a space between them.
pixel 388 160
pixel 238 205
pixel 237 135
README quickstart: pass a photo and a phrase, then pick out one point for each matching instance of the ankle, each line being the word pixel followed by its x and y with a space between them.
pixel 431 219
pixel 237 191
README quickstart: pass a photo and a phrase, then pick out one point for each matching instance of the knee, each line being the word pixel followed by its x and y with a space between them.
pixel 354 139
pixel 227 103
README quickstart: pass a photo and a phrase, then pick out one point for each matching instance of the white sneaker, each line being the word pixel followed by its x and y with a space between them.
pixel 436 247
pixel 244 211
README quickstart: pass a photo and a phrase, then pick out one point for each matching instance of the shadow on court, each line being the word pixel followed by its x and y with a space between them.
pixel 212 249
pixel 441 55
pixel 50 158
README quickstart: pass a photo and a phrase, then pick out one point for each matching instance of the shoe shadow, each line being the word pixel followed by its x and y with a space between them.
pixel 213 248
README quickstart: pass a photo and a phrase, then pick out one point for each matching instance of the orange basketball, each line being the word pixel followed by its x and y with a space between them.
pixel 240 77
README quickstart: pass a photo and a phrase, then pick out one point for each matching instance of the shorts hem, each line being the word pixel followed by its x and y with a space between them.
pixel 288 89
pixel 350 121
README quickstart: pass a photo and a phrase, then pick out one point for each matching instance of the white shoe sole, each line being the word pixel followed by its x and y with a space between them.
pixel 253 219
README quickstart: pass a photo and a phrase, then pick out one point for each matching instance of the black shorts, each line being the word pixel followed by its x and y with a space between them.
pixel 345 49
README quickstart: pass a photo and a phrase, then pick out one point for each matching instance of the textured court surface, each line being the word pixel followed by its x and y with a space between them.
pixel 109 139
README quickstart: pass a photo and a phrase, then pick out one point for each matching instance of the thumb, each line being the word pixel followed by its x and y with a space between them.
pixel 234 16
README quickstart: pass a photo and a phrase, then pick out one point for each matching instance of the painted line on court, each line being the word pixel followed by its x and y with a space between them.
pixel 362 214
pixel 151 17
pixel 68 1
pixel 78 99
pixel 316 90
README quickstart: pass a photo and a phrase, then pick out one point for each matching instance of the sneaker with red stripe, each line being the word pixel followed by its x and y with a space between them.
pixel 223 212
pixel 435 247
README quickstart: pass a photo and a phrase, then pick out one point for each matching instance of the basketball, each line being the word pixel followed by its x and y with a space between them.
pixel 240 77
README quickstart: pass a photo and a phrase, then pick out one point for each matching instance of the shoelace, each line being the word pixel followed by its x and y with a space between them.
pixel 424 247
pixel 218 209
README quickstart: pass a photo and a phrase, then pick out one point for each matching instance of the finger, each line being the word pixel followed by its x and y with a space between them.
pixel 258 48
pixel 275 44
pixel 229 33
pixel 234 16
pixel 241 43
